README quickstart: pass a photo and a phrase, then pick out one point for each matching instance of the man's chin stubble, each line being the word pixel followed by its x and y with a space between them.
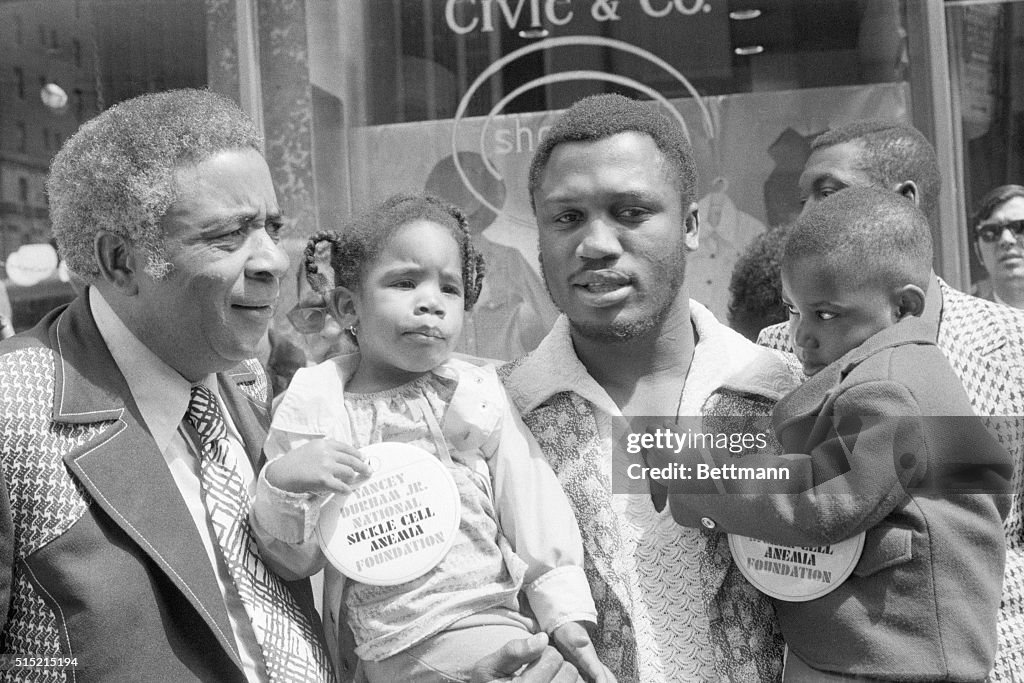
pixel 616 332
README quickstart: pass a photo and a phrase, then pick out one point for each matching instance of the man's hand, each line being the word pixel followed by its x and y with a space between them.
pixel 320 466
pixel 543 664
pixel 573 641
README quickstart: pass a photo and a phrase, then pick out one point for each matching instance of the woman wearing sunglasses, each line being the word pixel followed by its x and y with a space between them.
pixel 999 240
pixel 322 336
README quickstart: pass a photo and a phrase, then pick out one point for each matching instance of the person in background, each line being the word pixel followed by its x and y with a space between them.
pixel 755 291
pixel 321 336
pixel 281 359
pixel 983 341
pixel 997 234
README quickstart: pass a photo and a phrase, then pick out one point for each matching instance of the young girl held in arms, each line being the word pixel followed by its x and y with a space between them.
pixel 404 275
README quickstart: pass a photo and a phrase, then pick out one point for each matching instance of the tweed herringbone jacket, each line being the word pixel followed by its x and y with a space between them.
pixel 984 342
pixel 100 559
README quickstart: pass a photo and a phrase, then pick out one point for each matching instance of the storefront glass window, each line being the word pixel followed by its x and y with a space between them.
pixel 452 97
pixel 986 57
pixel 422 57
pixel 360 99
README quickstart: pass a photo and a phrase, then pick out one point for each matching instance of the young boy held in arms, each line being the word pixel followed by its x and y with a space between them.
pixel 880 439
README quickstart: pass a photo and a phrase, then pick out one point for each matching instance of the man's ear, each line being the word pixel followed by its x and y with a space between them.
pixel 692 225
pixel 117 262
pixel 341 304
pixel 909 301
pixel 976 248
pixel 908 188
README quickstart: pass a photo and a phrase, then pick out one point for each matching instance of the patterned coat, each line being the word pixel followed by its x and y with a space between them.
pixel 99 557
pixel 672 606
pixel 984 342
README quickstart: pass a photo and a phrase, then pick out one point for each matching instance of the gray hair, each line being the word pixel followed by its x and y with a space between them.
pixel 117 172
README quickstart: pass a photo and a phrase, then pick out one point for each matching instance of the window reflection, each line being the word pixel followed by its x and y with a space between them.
pixel 463 91
pixel 380 84
pixel 68 60
pixel 422 56
pixel 986 57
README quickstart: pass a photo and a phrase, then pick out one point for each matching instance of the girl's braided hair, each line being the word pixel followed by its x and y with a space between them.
pixel 361 240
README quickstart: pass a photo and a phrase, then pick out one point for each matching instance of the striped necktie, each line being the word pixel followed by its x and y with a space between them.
pixel 291 650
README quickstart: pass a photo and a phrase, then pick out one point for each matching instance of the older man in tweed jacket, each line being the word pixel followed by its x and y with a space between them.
pixel 983 341
pixel 127 440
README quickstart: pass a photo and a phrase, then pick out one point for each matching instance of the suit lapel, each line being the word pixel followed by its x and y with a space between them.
pixel 123 469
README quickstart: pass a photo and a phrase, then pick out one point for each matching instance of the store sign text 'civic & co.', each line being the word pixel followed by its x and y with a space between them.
pixel 467 16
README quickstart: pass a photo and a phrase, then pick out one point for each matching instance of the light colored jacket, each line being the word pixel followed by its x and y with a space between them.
pixel 484 434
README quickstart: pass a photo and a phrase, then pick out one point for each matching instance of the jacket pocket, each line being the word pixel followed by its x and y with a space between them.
pixel 884 546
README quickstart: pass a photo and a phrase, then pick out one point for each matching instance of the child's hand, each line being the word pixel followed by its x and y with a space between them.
pixel 573 641
pixel 320 466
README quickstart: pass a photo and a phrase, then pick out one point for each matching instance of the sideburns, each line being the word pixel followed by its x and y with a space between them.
pixel 157 265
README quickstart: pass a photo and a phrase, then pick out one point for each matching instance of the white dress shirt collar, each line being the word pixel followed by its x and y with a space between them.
pixel 160 392
pixel 722 358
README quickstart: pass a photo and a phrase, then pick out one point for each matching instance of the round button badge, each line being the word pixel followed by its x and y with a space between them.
pixel 398 523
pixel 795 573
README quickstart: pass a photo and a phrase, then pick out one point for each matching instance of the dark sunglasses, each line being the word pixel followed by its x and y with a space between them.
pixel 307 319
pixel 993 231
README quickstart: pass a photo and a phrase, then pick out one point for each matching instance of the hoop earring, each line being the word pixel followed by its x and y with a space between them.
pixel 351 329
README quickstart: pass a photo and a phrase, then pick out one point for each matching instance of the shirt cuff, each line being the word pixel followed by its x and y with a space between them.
pixel 560 596
pixel 289 517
